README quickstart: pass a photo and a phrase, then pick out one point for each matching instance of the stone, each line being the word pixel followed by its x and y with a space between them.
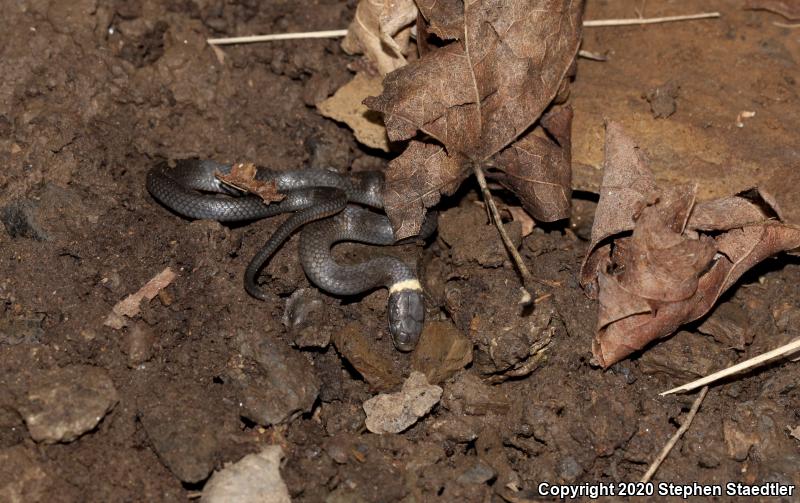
pixel 395 412
pixel 138 344
pixel 738 441
pixel 183 435
pixel 479 473
pixel 441 352
pixel 62 404
pixel 341 417
pixel 255 478
pixel 304 316
pixel 20 220
pixel 274 384
pixel 354 347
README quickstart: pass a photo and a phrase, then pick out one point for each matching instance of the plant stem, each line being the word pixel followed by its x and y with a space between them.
pixel 527 278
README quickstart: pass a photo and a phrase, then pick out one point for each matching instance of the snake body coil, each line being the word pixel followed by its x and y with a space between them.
pixel 320 199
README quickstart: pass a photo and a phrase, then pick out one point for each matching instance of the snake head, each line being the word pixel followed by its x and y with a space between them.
pixel 406 317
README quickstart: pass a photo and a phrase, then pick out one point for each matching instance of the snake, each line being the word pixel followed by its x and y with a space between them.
pixel 330 207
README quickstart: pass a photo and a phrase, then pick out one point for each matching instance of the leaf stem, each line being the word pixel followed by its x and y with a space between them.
pixel 527 278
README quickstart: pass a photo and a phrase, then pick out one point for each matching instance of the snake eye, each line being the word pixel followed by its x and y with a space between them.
pixel 406 318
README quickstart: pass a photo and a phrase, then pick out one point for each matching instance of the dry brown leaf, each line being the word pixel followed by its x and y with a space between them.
pixel 444 17
pixel 478 94
pixel 381 30
pixel 726 213
pixel 790 9
pixel 419 176
pixel 667 272
pixel 243 177
pixel 659 263
pixel 130 305
pixel 518 214
pixel 538 170
pixel 627 184
pixel 346 106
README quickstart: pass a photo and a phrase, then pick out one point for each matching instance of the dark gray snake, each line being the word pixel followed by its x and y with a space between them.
pixel 320 199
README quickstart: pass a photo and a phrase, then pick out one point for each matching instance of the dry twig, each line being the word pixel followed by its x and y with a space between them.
pixel 341 33
pixel 593 23
pixel 674 440
pixel 130 305
pixel 277 36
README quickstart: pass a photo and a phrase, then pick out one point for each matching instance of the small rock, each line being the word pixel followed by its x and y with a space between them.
pixel 63 404
pixel 274 383
pixel 341 417
pixel 394 412
pixel 19 219
pixel 256 478
pixel 441 352
pixel 569 469
pixel 737 440
pixel 662 100
pixel 183 435
pixel 138 344
pixel 305 317
pixel 479 473
pixel 330 148
pixel 354 347
pixel 22 478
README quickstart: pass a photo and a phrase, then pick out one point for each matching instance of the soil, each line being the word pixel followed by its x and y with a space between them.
pixel 94 93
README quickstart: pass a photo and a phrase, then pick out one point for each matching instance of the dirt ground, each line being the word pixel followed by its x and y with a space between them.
pixel 94 93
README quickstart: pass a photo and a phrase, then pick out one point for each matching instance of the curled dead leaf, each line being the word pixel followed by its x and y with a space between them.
pixel 651 263
pixel 381 30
